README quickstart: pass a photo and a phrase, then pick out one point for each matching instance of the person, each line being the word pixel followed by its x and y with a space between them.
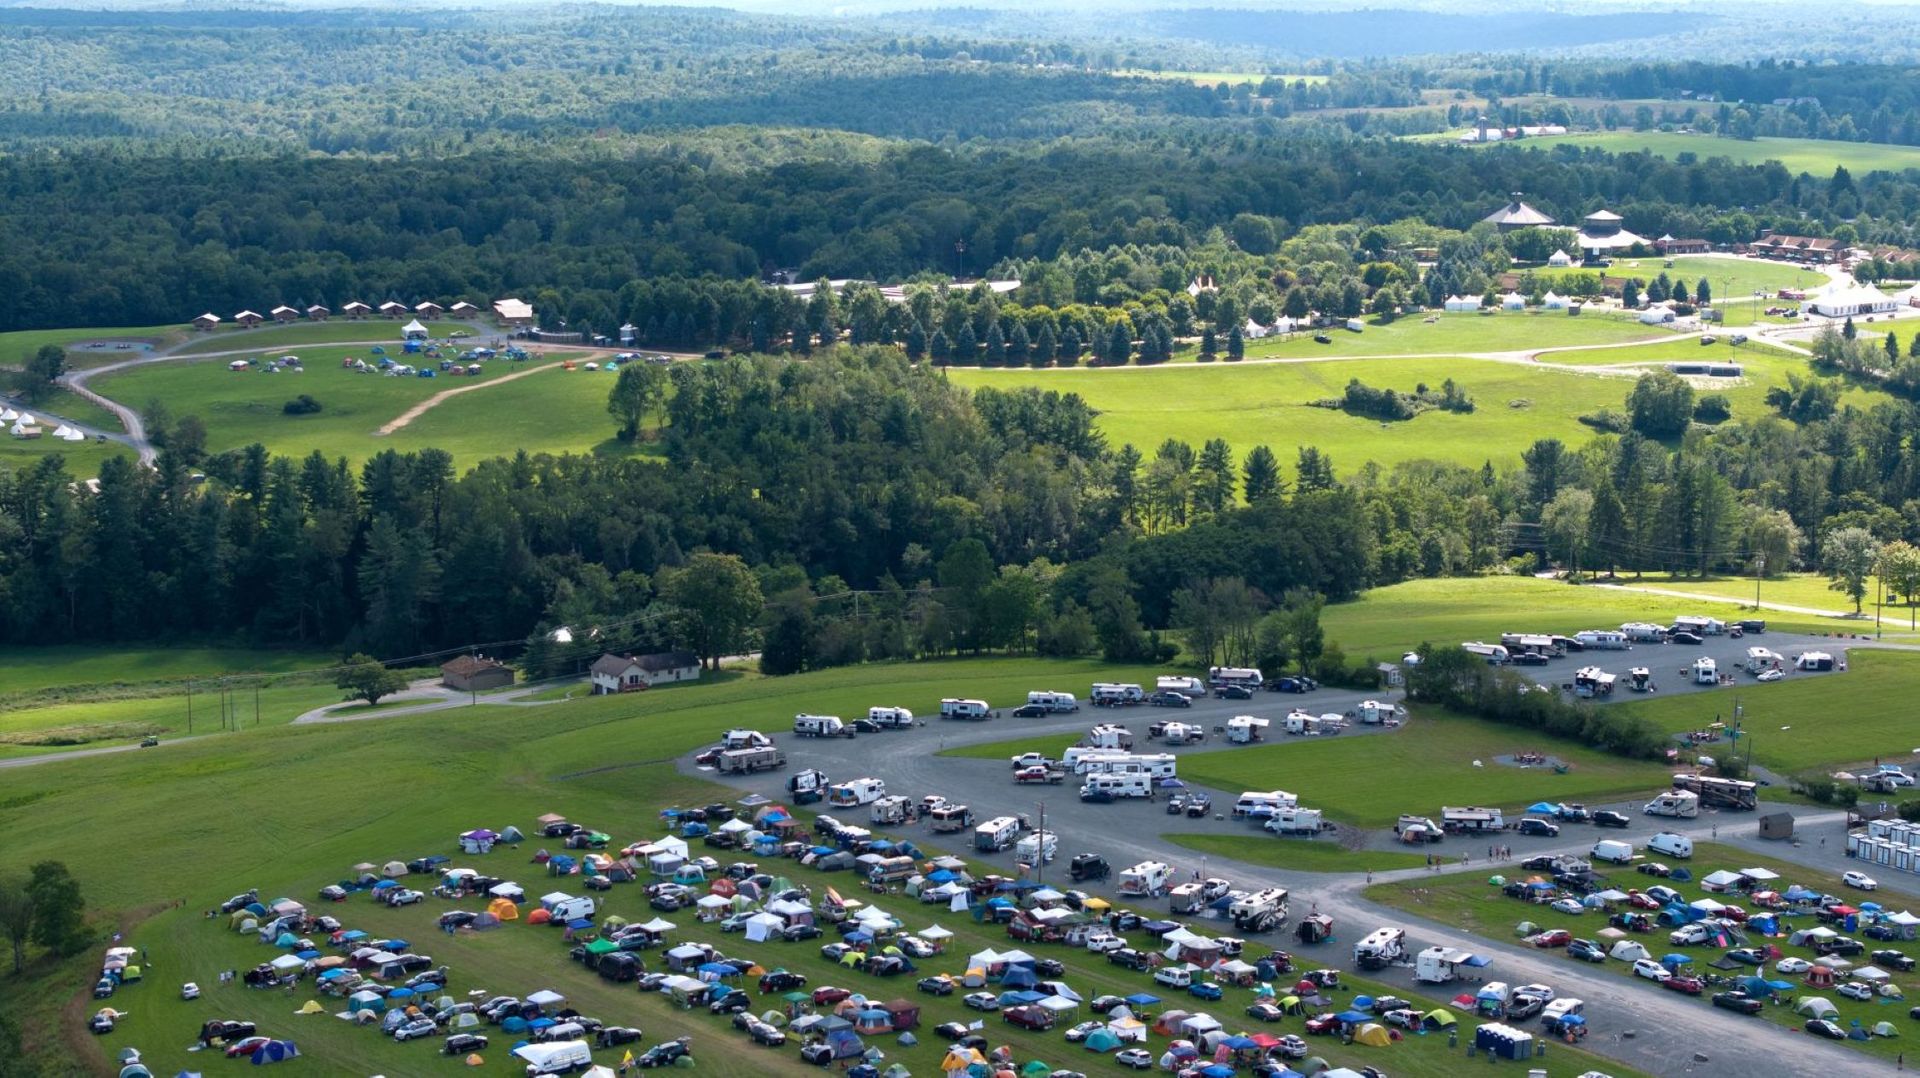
pixel 1369 875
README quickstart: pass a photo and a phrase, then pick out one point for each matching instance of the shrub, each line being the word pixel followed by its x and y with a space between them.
pixel 1713 408
pixel 301 405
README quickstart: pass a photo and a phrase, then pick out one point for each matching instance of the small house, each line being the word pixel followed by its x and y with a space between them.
pixel 629 334
pixel 628 673
pixel 356 310
pixel 513 312
pixel 248 319
pixel 475 673
pixel 206 322
pixel 1776 825
pixel 319 313
pixel 413 331
pixel 392 309
pixel 463 309
pixel 428 310
pixel 284 313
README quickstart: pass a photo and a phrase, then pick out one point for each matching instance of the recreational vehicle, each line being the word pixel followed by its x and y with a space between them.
pixel 1494 654
pixel 1054 701
pixel 820 726
pixel 862 791
pixel 1640 632
pixel 971 710
pixel 1295 821
pixel 1117 694
pixel 807 786
pixel 1700 625
pixel 996 834
pixel 746 739
pixel 1186 686
pixel 1260 804
pixel 1760 659
pixel 1245 729
pixel 1681 804
pixel 1472 818
pixel 1602 639
pixel 1148 878
pixel 1126 784
pixel 747 761
pixel 1038 848
pixel 1813 660
pixel 1705 671
pixel 1247 677
pixel 1591 681
pixel 1111 737
pixel 1381 948
pixel 951 817
pixel 898 718
pixel 1438 965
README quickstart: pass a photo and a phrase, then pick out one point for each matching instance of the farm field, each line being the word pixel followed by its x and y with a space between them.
pixel 78 668
pixel 607 761
pixel 1272 403
pixel 1437 750
pixel 245 407
pixel 1467 902
pixel 57 727
pixel 1808 724
pixel 1455 334
pixel 273 336
pixel 1387 622
pixel 1817 157
pixel 1298 855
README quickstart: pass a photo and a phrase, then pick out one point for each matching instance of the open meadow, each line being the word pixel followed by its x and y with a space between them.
pixel 1816 157
pixel 1461 333
pixel 16 345
pixel 233 338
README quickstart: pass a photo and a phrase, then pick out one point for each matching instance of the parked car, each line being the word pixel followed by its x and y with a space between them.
pixel 1651 970
pixel 1680 982
pixel 798 933
pixel 1682 637
pixel 941 985
pixel 1859 990
pixel 1036 1019
pixel 1321 1024
pixel 1653 868
pixel 419 1027
pixel 1406 1017
pixel 101 1023
pixel 462 1043
pixel 1290 1047
pixel 246 1046
pixel 1569 906
pixel 1793 966
pixel 1894 960
pixel 1738 1001
pixel 1137 1058
pixel 1552 937
pixel 614 1036
pixel 828 995
pixel 1859 880
pixel 1079 1032
pixel 1522 1007
pixel 1265 1012
pixel 1820 1027
pixel 1205 990
pixel 1031 711
pixel 664 1055
pixel 780 980
pixel 731 1003
pixel 1610 818
pixel 1233 692
pixel 1170 699
pixel 1840 945
pixel 1752 956
pixel 1199 805
pixel 1129 958
pixel 1775 674
pixel 1586 951
pixel 981 1001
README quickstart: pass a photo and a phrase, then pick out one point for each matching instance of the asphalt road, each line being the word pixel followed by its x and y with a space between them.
pixel 1632 1023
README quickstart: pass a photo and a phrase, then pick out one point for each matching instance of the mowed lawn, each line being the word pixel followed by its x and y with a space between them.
pixel 1427 764
pixel 82 459
pixel 229 338
pixel 1810 722
pixel 240 408
pixel 73 667
pixel 1731 280
pixel 1387 622
pixel 57 727
pixel 289 809
pixel 1810 590
pixel 1271 404
pixel 18 344
pixel 1816 157
pixel 1466 901
pixel 1457 334
pixel 553 411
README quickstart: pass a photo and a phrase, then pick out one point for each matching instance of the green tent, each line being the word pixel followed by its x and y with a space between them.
pixel 1035 1069
pixel 602 947
pixel 1439 1018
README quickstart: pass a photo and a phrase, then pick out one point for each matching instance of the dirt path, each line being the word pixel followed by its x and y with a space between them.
pixel 400 422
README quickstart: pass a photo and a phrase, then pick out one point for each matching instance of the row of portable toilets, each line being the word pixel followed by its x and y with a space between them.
pixel 1893 844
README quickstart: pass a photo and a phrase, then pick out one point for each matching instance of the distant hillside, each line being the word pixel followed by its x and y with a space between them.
pixel 1402 32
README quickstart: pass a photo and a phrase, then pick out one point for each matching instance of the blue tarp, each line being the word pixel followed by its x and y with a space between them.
pixel 1543 806
pixel 352 935
pixel 386 884
pixel 1674 961
pixel 1354 1017
pixel 578 923
pixel 1142 999
pixel 942 876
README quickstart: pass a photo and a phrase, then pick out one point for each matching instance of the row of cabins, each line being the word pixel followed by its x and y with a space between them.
pixel 510 312
pixel 609 674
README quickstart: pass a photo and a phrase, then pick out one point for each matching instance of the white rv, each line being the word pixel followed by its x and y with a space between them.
pixel 1246 676
pixel 1260 910
pixel 862 791
pixel 895 717
pixel 1180 733
pixel 1438 965
pixel 1700 625
pixel 973 710
pixel 1116 694
pixel 1302 724
pixel 951 817
pixel 1109 736
pixel 1813 660
pixel 1682 804
pixel 821 726
pixel 746 739
pixel 1131 784
pixel 1263 803
pixel 1245 729
pixel 1376 713
pixel 1038 848
pixel 1472 818
pixel 1602 639
pixel 996 834
pixel 1640 632
pixel 1152 765
pixel 556 1057
pixel 1494 654
pixel 1705 671
pixel 1148 878
pixel 1054 701
pixel 1295 821
pixel 1591 681
pixel 1189 686
pixel 1759 659
pixel 1381 948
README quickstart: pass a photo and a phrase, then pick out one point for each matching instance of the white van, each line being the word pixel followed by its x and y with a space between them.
pixel 573 908
pixel 821 726
pixel 964 709
pixel 1671 844
pixel 1121 785
pixel 1609 849
pixel 1054 701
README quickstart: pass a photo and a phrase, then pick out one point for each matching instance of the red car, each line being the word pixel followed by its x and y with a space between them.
pixel 827 995
pixel 1323 1023
pixel 247 1047
pixel 1692 986
pixel 1038 1019
pixel 1640 901
pixel 1733 913
pixel 1552 937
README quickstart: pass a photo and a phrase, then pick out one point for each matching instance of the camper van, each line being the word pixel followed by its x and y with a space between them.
pixel 996 834
pixel 1295 821
pixel 1160 765
pixel 1376 713
pixel 1301 724
pixel 1148 878
pixel 1117 694
pixel 970 710
pixel 1245 676
pixel 807 786
pixel 1037 848
pixel 1259 911
pixel 820 726
pixel 1129 784
pixel 1700 625
pixel 1640 679
pixel 1263 803
pixel 1471 819
pixel 1186 686
pixel 1180 733
pixel 951 817
pixel 1640 632
pixel 568 909
pixel 748 761
pixel 1602 639
pixel 1613 850
pixel 1705 671
pixel 1246 729
pixel 1054 701
pixel 746 739
pixel 1494 654
pixel 1111 737
pixel 1591 681
pixel 888 810
pixel 1382 948
pixel 1438 965
pixel 1760 659
pixel 1680 804
pixel 896 718
pixel 862 791
pixel 1671 844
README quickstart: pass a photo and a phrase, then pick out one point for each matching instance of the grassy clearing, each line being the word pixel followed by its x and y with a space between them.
pixel 82 459
pixel 1793 589
pixel 233 338
pixel 1435 754
pixel 17 345
pixel 1467 902
pixel 1457 334
pixel 80 667
pixel 1298 855
pixel 554 411
pixel 1732 280
pixel 1386 622
pixel 1817 157
pixel 31 731
pixel 1811 721
pixel 71 406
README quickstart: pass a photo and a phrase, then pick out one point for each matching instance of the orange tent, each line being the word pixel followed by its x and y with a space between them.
pixel 539 917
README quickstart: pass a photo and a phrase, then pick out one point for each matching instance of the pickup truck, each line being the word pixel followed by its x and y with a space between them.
pixel 1039 773
pixel 1033 759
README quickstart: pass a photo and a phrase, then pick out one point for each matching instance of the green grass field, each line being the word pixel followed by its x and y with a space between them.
pixel 1793 589
pixel 34 731
pixel 273 336
pixel 1467 902
pixel 82 459
pixel 554 411
pixel 604 760
pixel 76 668
pixel 1460 334
pixel 1298 855
pixel 1817 157
pixel 242 408
pixel 1343 775
pixel 1733 280
pixel 17 345
pixel 1809 722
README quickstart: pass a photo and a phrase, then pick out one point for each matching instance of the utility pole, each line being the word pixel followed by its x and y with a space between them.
pixel 1759 572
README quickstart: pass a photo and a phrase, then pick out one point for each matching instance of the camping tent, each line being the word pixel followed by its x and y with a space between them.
pixel 1628 951
pixel 504 909
pixel 1816 1007
pixel 1373 1035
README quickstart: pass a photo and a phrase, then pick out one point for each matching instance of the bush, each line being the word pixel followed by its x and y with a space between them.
pixel 1713 408
pixel 1608 421
pixel 1909 811
pixel 1826 791
pixel 301 405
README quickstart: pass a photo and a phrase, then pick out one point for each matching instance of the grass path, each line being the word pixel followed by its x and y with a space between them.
pixel 400 421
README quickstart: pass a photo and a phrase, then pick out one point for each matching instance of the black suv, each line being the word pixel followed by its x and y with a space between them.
pixel 1129 958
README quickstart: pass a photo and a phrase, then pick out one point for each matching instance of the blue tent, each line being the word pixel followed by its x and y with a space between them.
pixel 1363 1003
pixel 516 1024
pixel 941 876
pixel 1019 977
pixel 385 885
pixel 879 845
pixel 400 993
pixel 1354 1017
pixel 352 935
pixel 1240 1043
pixel 822 851
pixel 332 974
pixel 845 1044
pixel 274 1052
pixel 287 939
pixel 1795 893
pixel 256 909
pixel 578 923
pixel 718 969
pixel 1142 999
pixel 560 864
pixel 1172 784
pixel 1217 1070
pixel 1675 961
pixel 1543 806
pixel 307 955
pixel 539 1024
pixel 1680 873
